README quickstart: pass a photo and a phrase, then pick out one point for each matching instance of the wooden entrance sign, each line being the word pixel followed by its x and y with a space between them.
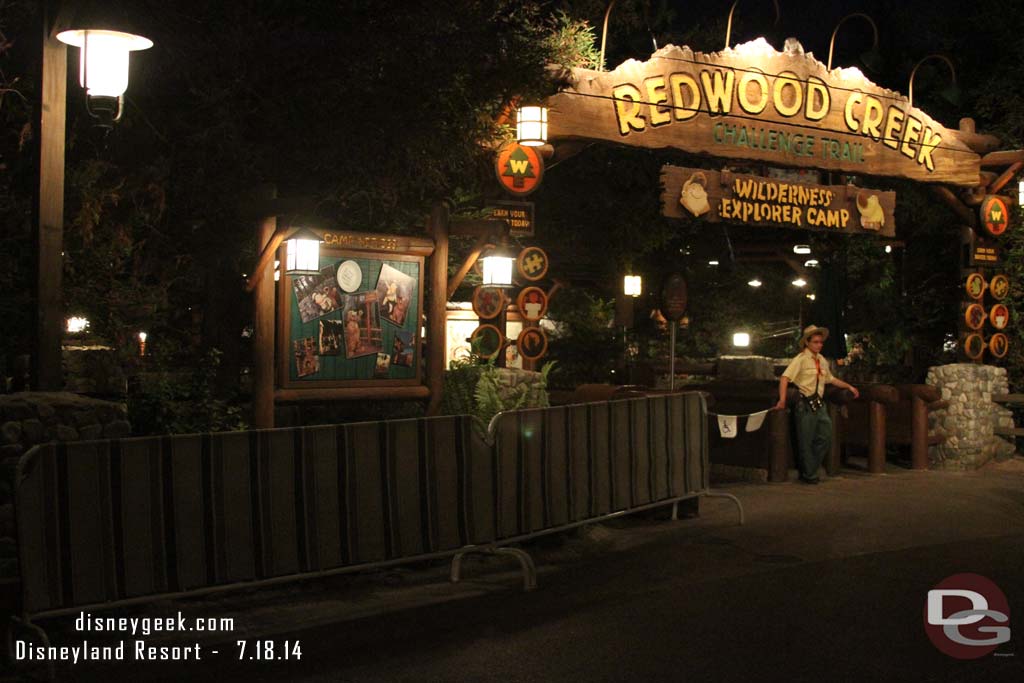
pixel 716 196
pixel 753 102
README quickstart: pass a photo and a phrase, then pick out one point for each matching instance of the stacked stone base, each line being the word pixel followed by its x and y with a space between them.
pixel 969 423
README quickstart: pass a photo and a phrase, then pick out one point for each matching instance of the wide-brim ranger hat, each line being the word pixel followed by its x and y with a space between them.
pixel 810 331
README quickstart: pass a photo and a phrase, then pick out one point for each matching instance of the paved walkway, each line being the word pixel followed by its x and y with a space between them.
pixel 823 583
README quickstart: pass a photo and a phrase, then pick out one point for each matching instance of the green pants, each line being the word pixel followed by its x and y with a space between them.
pixel 813 439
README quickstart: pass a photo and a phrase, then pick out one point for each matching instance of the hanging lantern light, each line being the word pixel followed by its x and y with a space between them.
pixel 303 249
pixel 498 265
pixel 103 68
pixel 632 285
pixel 532 125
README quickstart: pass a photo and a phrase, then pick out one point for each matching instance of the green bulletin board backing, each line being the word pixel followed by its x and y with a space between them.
pixel 343 323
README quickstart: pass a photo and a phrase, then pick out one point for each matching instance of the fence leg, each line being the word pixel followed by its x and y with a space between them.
pixel 525 562
pixel 27 623
pixel 739 505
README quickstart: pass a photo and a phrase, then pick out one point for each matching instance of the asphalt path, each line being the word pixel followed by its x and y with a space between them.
pixel 823 583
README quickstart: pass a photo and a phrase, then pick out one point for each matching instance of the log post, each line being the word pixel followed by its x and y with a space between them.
pixel 834 461
pixel 918 433
pixel 876 444
pixel 436 317
pixel 263 326
pixel 778 430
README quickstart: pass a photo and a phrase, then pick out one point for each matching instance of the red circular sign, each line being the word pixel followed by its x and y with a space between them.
pixel 519 169
pixel 488 302
pixel 532 303
pixel 966 616
pixel 995 215
pixel 999 316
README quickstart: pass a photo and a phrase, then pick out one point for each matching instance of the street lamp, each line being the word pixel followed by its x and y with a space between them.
pixel 498 265
pixel 103 68
pixel 532 125
pixel 303 249
pixel 632 285
pixel 741 339
pixel 951 93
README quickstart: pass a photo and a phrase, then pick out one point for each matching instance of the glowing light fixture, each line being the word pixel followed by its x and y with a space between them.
pixel 498 266
pixel 76 324
pixel 741 339
pixel 632 285
pixel 811 297
pixel 142 343
pixel 712 263
pixel 799 282
pixel 754 283
pixel 801 249
pixel 811 263
pixel 888 249
pixel 532 125
pixel 103 67
pixel 303 249
pixel 1020 192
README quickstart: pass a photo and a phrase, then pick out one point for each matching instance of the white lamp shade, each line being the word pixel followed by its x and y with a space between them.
pixel 799 282
pixel 532 126
pixel 801 249
pixel 103 63
pixel 741 339
pixel 1020 192
pixel 498 270
pixel 632 285
pixel 303 255
pixel 77 324
pixel 142 337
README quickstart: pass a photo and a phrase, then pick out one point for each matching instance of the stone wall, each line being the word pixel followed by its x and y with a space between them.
pixel 971 418
pixel 29 418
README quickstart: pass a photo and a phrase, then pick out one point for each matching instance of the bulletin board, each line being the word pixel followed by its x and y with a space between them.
pixel 354 323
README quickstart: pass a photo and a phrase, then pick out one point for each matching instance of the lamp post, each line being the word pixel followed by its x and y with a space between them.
pixel 104 72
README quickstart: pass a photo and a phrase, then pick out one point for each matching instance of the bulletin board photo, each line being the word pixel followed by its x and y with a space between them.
pixel 353 323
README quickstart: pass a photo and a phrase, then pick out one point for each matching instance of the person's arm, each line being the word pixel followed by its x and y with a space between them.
pixel 783 385
pixel 843 385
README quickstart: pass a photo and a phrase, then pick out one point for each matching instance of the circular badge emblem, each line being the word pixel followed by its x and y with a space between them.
pixel 350 276
pixel 995 215
pixel 999 287
pixel 532 343
pixel 999 316
pixel 975 316
pixel 532 263
pixel 532 303
pixel 966 616
pixel 974 346
pixel 488 302
pixel 998 345
pixel 487 341
pixel 975 285
pixel 519 169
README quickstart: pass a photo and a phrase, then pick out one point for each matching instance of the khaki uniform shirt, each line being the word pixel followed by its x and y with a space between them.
pixel 802 372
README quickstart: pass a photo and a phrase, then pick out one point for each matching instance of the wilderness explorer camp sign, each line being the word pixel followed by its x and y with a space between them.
pixel 753 200
pixel 753 102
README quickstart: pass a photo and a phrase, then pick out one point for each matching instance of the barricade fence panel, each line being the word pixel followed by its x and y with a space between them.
pixel 105 521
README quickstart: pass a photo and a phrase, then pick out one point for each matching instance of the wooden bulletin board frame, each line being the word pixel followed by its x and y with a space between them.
pixel 365 249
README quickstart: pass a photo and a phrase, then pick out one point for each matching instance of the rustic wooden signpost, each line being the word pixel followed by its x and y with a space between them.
pixel 715 196
pixel 756 103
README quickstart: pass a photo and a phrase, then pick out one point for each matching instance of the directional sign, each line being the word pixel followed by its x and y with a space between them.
pixel 532 263
pixel 673 297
